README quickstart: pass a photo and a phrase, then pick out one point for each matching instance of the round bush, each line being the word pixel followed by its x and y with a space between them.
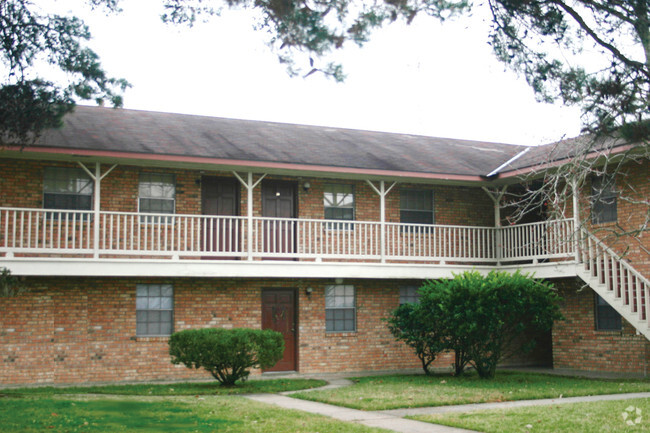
pixel 228 354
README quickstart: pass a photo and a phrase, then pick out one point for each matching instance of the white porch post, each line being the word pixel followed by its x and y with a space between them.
pixel 96 205
pixel 382 192
pixel 576 219
pixel 97 178
pixel 496 199
pixel 249 185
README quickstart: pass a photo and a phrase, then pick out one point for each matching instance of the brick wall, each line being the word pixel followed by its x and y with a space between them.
pixel 83 329
pixel 21 183
pixel 577 344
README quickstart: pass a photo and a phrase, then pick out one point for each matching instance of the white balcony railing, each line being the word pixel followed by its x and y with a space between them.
pixel 56 233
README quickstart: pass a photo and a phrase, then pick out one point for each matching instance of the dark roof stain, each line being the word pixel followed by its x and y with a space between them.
pixel 133 131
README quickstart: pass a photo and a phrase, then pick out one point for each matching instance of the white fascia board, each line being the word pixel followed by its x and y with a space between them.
pixel 261 269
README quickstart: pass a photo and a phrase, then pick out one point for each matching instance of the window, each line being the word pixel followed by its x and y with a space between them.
pixel 604 198
pixel 340 308
pixel 338 201
pixel 409 295
pixel 67 188
pixel 154 307
pixel 416 206
pixel 157 194
pixel 607 319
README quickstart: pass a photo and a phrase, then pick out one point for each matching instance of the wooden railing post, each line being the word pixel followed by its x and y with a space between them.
pixel 577 229
pixel 382 192
pixel 496 199
pixel 250 186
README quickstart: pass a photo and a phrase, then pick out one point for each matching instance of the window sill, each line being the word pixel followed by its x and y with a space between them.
pixel 164 338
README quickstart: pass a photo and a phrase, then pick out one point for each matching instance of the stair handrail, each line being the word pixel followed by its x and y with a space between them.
pixel 608 250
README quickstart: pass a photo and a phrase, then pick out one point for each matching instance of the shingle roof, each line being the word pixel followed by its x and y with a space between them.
pixel 565 150
pixel 131 131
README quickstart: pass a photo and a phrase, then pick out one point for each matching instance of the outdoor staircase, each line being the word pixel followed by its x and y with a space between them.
pixel 616 281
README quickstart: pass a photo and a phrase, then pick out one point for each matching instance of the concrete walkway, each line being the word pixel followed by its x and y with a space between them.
pixel 512 404
pixel 393 419
pixel 370 419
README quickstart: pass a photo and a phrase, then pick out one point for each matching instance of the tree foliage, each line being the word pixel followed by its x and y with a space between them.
pixel 10 285
pixel 37 49
pixel 483 319
pixel 422 329
pixel 542 39
pixel 227 354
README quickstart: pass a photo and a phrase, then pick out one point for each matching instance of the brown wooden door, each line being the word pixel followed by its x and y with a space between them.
pixel 220 196
pixel 279 314
pixel 279 201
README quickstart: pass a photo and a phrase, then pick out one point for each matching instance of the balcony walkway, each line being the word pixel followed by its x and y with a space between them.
pixel 38 242
pixel 101 236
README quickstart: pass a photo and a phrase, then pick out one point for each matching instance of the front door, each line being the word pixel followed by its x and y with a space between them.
pixel 279 314
pixel 220 196
pixel 279 201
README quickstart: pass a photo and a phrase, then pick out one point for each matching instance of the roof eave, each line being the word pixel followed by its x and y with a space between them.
pixel 193 162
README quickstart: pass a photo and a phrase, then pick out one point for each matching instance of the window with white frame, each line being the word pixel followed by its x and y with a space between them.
pixel 408 295
pixel 416 206
pixel 67 188
pixel 154 310
pixel 338 202
pixel 157 194
pixel 340 309
pixel 604 199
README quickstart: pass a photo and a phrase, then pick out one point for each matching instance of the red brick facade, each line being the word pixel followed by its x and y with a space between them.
pixel 578 345
pixel 71 330
pixel 84 330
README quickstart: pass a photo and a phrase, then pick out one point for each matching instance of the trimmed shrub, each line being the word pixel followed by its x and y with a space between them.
pixel 481 318
pixel 421 329
pixel 227 354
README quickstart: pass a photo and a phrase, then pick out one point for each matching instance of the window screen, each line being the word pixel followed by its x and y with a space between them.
pixel 338 201
pixel 154 309
pixel 67 188
pixel 416 206
pixel 157 194
pixel 340 315
pixel 409 295
pixel 607 319
pixel 604 199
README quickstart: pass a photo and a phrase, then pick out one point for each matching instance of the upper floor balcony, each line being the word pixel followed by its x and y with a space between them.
pixel 64 242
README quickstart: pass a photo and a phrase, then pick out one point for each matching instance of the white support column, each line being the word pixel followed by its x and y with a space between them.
pixel 382 192
pixel 496 199
pixel 576 219
pixel 250 186
pixel 97 178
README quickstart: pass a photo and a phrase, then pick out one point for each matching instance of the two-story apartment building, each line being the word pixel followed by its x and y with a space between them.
pixel 127 226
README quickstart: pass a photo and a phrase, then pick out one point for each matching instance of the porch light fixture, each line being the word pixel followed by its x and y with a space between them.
pixel 306 186
pixel 309 291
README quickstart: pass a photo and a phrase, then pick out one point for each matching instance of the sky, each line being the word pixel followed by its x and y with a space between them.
pixel 427 78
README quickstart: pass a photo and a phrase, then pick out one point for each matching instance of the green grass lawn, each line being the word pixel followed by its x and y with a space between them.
pixel 597 417
pixel 189 388
pixel 108 414
pixel 394 392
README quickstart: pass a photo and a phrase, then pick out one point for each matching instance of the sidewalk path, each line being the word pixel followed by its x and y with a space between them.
pixel 370 419
pixel 393 419
pixel 512 404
